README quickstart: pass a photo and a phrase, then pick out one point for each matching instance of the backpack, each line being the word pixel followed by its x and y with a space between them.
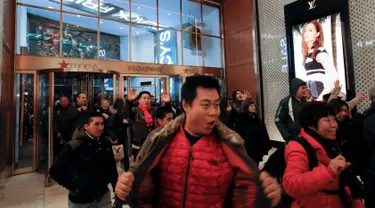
pixel 276 165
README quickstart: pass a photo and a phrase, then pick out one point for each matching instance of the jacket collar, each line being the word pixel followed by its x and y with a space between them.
pixel 316 145
pixel 220 129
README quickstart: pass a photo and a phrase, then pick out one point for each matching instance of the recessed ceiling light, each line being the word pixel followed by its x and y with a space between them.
pixel 78 15
pixel 139 7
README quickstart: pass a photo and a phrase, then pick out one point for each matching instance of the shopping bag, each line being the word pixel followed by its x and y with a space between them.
pixel 118 152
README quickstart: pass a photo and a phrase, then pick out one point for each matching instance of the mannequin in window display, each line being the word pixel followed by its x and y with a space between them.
pixel 320 70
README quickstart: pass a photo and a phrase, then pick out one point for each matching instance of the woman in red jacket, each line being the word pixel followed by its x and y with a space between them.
pixel 327 185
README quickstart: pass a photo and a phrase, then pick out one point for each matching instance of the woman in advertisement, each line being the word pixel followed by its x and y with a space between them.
pixel 321 72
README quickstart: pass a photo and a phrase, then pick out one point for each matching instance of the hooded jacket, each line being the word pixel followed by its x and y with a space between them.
pixel 286 118
pixel 236 104
pixel 85 167
pixel 245 190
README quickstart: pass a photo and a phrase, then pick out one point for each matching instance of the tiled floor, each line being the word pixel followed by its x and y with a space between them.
pixel 28 191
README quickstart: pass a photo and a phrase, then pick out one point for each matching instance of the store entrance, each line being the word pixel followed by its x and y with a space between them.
pixel 38 100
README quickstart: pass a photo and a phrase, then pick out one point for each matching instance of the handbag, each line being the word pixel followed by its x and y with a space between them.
pixel 118 152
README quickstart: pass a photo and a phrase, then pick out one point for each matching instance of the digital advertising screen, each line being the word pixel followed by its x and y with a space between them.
pixel 318 51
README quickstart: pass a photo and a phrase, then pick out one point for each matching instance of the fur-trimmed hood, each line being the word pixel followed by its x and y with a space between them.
pixel 220 129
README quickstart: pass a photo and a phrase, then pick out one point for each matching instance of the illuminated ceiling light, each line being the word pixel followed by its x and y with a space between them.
pixel 139 7
pixel 169 14
pixel 101 22
pixel 78 15
pixel 50 7
pixel 120 28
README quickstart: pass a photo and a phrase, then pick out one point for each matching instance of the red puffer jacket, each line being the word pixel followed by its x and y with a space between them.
pixel 186 173
pixel 307 186
pixel 215 172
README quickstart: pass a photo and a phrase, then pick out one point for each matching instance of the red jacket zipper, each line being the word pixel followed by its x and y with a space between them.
pixel 187 176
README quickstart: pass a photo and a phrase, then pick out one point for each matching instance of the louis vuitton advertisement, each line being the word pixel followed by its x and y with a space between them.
pixel 318 45
pixel 319 55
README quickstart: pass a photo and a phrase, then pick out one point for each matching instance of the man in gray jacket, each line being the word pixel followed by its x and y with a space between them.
pixel 286 118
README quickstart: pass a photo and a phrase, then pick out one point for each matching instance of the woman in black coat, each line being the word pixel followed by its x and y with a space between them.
pixel 253 131
pixel 117 129
pixel 226 113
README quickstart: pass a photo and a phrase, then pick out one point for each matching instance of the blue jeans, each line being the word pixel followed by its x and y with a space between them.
pixel 105 202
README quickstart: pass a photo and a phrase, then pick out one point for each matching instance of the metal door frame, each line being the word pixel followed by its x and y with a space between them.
pixel 35 126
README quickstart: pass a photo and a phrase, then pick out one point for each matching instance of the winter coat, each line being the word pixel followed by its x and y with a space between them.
pixel 225 147
pixel 254 132
pixel 106 121
pixel 369 136
pixel 307 186
pixel 63 122
pixel 286 118
pixel 369 127
pixel 77 118
pixel 85 167
pixel 138 128
pixel 116 128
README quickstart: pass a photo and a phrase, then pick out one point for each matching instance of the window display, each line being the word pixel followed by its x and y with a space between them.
pixel 319 55
pixel 319 45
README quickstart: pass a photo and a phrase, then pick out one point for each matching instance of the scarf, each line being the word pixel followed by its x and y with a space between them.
pixel 147 115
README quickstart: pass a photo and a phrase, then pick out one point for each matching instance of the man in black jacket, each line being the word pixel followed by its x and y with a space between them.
pixel 286 118
pixel 369 136
pixel 78 114
pixel 86 166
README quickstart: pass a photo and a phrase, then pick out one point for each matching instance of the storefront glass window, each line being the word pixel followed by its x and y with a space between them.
pixel 88 7
pixel 192 49
pixel 169 14
pixel 212 51
pixel 191 15
pixel 115 9
pixel 144 12
pixel 144 35
pixel 80 36
pixel 211 20
pixel 51 4
pixel 114 40
pixel 144 42
pixel 37 32
pixel 168 49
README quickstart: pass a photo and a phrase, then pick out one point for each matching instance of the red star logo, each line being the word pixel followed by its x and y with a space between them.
pixel 63 65
pixel 186 70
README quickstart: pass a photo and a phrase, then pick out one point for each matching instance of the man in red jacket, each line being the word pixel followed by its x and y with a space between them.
pixel 196 161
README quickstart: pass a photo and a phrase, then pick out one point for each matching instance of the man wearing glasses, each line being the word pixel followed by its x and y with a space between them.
pixel 286 118
pixel 86 166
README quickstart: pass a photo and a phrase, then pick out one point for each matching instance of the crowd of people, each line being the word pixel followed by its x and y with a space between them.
pixel 204 151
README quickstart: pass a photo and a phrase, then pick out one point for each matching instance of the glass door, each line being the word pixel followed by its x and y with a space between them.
pixel 25 155
pixel 44 126
pixel 154 85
